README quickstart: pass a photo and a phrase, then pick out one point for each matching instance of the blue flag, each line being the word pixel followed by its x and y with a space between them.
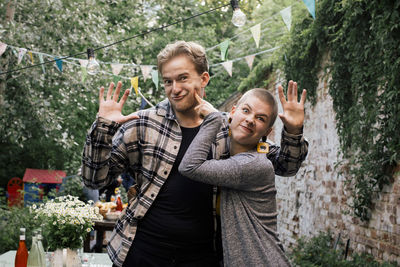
pixel 143 104
pixel 310 4
pixel 59 63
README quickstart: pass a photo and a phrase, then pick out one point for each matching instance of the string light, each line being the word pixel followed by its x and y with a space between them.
pixel 238 17
pixel 93 66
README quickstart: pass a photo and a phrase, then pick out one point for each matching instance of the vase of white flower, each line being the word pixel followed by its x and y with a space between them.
pixel 66 222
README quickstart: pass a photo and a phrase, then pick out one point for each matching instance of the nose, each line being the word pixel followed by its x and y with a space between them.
pixel 175 88
pixel 250 120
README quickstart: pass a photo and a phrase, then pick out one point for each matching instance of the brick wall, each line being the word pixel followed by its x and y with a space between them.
pixel 315 199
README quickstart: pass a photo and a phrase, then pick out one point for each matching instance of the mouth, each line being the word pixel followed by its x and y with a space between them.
pixel 177 98
pixel 246 129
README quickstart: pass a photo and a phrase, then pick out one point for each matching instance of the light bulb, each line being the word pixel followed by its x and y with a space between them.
pixel 93 66
pixel 238 18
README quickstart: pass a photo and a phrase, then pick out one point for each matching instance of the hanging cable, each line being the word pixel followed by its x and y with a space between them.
pixel 117 42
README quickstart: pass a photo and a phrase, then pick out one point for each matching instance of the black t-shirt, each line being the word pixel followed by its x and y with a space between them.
pixel 181 217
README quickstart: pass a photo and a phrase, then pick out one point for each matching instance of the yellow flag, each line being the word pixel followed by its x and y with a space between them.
pixel 31 56
pixel 135 84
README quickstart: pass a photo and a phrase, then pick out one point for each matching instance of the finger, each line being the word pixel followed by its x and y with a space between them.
pixel 117 91
pixel 282 97
pixel 290 91
pixel 303 97
pixel 198 98
pixel 109 92
pixel 124 97
pixel 101 94
pixel 295 91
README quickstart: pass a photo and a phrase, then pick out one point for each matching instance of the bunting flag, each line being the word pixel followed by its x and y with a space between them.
pixel 143 104
pixel 256 32
pixel 310 4
pixel 287 16
pixel 154 77
pixel 250 60
pixel 228 66
pixel 116 68
pixel 31 56
pixel 21 55
pixel 42 62
pixel 224 49
pixel 3 48
pixel 59 64
pixel 135 84
pixel 146 69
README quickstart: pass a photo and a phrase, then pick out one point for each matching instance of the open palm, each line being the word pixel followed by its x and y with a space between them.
pixel 110 108
pixel 293 111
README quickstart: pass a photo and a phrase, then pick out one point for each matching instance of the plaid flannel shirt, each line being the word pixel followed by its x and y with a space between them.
pixel 148 146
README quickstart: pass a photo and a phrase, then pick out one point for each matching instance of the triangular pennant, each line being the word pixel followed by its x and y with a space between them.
pixel 228 66
pixel 116 68
pixel 146 69
pixel 135 84
pixel 310 4
pixel 84 73
pixel 21 54
pixel 59 64
pixel 256 32
pixel 154 77
pixel 83 62
pixel 250 60
pixel 42 63
pixel 287 16
pixel 31 56
pixel 3 48
pixel 224 49
pixel 143 104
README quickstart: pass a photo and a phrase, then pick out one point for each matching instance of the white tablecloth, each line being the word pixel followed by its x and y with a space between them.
pixel 89 259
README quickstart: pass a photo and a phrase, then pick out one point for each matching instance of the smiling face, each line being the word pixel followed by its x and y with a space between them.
pixel 182 82
pixel 250 121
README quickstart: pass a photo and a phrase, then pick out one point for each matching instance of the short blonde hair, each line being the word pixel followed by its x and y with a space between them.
pixel 192 50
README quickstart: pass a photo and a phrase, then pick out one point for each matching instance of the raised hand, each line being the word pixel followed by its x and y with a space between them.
pixel 110 108
pixel 293 111
pixel 203 108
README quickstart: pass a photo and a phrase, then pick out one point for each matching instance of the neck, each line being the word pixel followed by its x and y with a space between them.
pixel 236 148
pixel 188 119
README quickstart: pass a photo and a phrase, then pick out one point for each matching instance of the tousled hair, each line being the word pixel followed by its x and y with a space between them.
pixel 265 96
pixel 195 52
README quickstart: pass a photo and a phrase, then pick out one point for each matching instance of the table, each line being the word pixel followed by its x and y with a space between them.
pixel 90 259
pixel 100 227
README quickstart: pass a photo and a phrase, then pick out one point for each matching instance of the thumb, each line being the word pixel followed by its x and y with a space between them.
pixel 282 117
pixel 131 116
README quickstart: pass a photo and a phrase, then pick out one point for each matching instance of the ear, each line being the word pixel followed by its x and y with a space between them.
pixel 205 77
pixel 232 111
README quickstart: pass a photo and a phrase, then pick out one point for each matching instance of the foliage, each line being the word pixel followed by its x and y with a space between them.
pixel 72 186
pixel 319 251
pixel 66 221
pixel 361 40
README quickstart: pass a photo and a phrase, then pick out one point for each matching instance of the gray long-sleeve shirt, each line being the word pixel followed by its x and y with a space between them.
pixel 248 204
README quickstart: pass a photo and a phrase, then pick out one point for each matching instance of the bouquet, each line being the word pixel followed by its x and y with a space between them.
pixel 66 221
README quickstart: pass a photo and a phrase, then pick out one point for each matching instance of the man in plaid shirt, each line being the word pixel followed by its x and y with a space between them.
pixel 170 222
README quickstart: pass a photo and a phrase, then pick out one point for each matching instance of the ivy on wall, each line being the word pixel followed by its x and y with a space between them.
pixel 362 39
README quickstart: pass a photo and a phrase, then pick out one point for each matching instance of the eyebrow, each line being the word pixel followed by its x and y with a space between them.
pixel 179 75
pixel 260 114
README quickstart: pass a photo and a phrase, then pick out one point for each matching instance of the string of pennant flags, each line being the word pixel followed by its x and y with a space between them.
pixel 148 71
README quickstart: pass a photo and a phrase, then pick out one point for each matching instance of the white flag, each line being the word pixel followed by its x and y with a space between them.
pixel 256 32
pixel 228 66
pixel 21 54
pixel 287 16
pixel 42 62
pixel 3 47
pixel 146 69
pixel 116 68
pixel 250 60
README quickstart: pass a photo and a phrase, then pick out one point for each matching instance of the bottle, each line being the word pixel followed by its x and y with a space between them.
pixel 21 257
pixel 119 203
pixel 42 254
pixel 34 257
